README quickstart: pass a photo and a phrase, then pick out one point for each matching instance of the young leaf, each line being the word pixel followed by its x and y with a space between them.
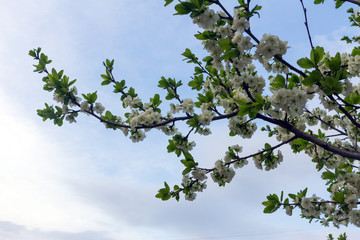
pixel 167 2
pixel 305 63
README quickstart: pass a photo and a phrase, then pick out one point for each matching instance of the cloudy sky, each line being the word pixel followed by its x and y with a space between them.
pixel 85 182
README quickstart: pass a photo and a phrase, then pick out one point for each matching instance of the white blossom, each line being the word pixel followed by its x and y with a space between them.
pixel 188 106
pixel 99 108
pixel 270 46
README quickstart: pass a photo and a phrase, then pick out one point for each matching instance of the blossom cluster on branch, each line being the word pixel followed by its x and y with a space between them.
pixel 230 89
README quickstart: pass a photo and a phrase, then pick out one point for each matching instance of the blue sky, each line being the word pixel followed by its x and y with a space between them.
pixel 85 182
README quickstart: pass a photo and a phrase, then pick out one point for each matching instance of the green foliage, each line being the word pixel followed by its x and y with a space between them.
pixel 49 112
pixel 251 108
pixel 193 7
pixel 197 82
pixel 225 44
pixel 119 87
pixel 90 97
pixel 206 35
pixel 188 162
pixel 164 193
pixel 279 82
pixel 299 145
pixel 43 60
pixel 110 118
pixel 316 55
pixel 313 78
pixel 171 86
pixel 189 56
pixel 334 63
pixel 305 63
pixel 272 204
pixel 167 2
pixel 338 3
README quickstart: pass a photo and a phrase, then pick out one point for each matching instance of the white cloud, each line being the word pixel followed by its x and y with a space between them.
pixel 31 175
pixel 332 42
pixel 11 231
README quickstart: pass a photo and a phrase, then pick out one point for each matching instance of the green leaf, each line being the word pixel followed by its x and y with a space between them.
pixel 197 3
pixel 208 60
pixel 225 43
pixel 206 35
pixel 305 63
pixel 156 100
pixel 302 193
pixel 167 2
pixel 197 82
pixel 32 53
pixel 339 197
pixel 294 79
pixel 267 146
pixel 209 96
pixel 273 197
pixel 279 82
pixel 339 3
pixel 105 77
pixel 186 171
pixel 268 203
pixel 106 82
pixel 170 95
pixel 271 208
pixel 328 175
pixel 193 122
pixel 317 54
pixel 335 63
pixel 183 8
pixel 331 85
pixel 164 193
pixel 189 56
pixel 292 196
pixel 93 97
pixel 233 53
pixel 299 144
pixel 259 98
pixel 188 163
pixel 167 186
pixel 314 77
pixel 355 51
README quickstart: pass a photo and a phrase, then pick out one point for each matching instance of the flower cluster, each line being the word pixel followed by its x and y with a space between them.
pixel 269 46
pixel 147 117
pixel 194 184
pixel 222 173
pixel 238 125
pixel 187 106
pixel 354 66
pixel 239 24
pixel 130 101
pixel 310 208
pixel 268 159
pixel 292 101
pixel 207 20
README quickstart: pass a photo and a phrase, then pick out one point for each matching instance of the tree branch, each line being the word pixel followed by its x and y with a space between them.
pixel 352 1
pixel 310 138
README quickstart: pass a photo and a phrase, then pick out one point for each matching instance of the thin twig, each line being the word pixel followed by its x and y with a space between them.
pixel 306 24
